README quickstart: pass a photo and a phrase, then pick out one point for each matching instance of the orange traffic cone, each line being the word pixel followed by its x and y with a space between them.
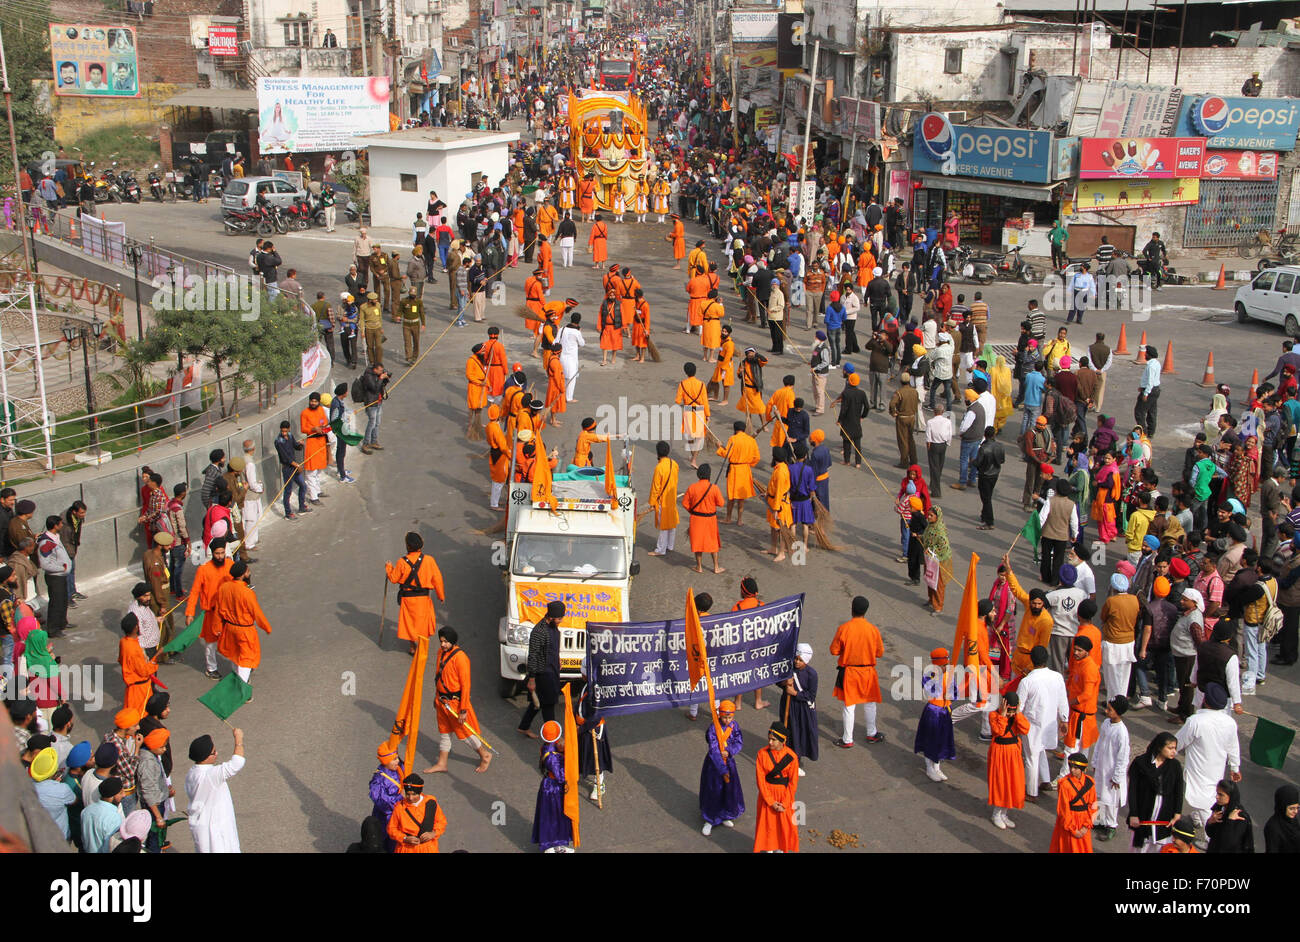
pixel 72 227
pixel 1121 348
pixel 1168 365
pixel 1254 382
pixel 1208 378
pixel 1142 349
pixel 1222 283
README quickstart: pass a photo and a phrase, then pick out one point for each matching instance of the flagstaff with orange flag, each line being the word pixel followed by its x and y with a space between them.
pixel 611 483
pixel 553 829
pixel 697 662
pixel 571 774
pixel 721 797
pixel 975 676
pixel 407 723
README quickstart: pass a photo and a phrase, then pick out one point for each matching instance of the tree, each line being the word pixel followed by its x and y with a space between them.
pixel 27 55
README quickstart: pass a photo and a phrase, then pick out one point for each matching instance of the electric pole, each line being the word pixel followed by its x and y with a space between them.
pixel 13 153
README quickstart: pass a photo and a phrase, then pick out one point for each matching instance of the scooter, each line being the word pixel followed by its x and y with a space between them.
pixel 966 263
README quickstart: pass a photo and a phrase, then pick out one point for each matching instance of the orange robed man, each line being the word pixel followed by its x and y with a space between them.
pixel 663 499
pixel 711 314
pixel 1006 768
pixel 780 512
pixel 678 238
pixel 476 388
pixel 857 644
pixel 702 501
pixel 416 574
pixel 545 261
pixel 724 374
pixel 697 291
pixel 547 217
pixel 1076 801
pixel 526 457
pixel 416 822
pixel 741 453
pixel 137 670
pixel 598 242
pixel 203 597
pixel 698 262
pixel 1087 611
pixel 1082 685
pixel 693 397
pixel 535 299
pixel 555 389
pixel 550 332
pixel 498 456
pixel 587 196
pixel 1035 624
pixel 777 768
pixel 494 355
pixel 314 423
pixel 627 297
pixel 751 383
pixel 240 616
pixel 586 438
pixel 640 326
pixel 778 407
pixel 455 712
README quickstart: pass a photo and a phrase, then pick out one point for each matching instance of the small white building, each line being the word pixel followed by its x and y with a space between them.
pixel 405 165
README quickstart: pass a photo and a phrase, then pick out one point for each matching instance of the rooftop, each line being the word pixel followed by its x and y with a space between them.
pixel 437 138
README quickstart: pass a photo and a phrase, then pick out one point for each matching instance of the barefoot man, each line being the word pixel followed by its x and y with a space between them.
pixel 455 712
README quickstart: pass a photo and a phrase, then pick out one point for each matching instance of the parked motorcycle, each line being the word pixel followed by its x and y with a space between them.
pixel 246 220
pixel 130 188
pixel 300 215
pixel 155 184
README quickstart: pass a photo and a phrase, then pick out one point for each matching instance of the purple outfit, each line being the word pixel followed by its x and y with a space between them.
pixel 385 792
pixel 803 484
pixel 551 828
pixel 934 738
pixel 721 801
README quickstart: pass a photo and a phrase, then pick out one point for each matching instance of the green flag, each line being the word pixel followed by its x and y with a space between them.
pixel 1032 529
pixel 185 638
pixel 1270 744
pixel 227 696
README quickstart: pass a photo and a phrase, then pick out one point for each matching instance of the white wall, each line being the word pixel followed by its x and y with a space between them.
pixel 986 72
pixel 268 31
pixel 448 172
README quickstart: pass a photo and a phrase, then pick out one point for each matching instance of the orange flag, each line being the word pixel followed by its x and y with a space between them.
pixel 697 662
pixel 407 723
pixel 542 479
pixel 611 485
pixel 970 643
pixel 571 775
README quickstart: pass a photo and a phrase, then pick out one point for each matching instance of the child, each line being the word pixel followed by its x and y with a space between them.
pixel 1110 763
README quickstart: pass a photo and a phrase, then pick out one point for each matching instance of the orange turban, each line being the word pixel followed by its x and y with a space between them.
pixel 817 437
pixel 494 412
pixel 854 379
pixel 915 503
pixel 157 739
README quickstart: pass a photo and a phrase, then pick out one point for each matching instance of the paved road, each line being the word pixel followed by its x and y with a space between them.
pixel 326 692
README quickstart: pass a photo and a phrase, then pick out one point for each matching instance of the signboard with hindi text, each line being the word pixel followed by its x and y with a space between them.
pixel 636 667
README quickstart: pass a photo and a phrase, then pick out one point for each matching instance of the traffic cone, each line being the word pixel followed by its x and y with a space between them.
pixel 1208 379
pixel 72 227
pixel 1222 283
pixel 1121 348
pixel 1142 349
pixel 1168 365
pixel 1254 382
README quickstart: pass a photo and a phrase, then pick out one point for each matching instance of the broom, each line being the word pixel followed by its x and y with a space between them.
pixel 498 527
pixel 821 528
pixel 474 432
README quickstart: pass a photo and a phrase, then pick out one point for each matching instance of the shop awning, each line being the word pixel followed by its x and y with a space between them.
pixel 237 99
pixel 1039 192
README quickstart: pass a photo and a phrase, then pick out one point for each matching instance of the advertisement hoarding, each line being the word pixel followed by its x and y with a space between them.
pixel 1240 165
pixel 222 41
pixel 987 152
pixel 319 114
pixel 1241 123
pixel 1130 109
pixel 1109 196
pixel 94 61
pixel 1150 158
pixel 754 27
pixel 789 40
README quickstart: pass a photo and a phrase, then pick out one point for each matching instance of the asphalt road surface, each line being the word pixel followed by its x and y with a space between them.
pixel 326 691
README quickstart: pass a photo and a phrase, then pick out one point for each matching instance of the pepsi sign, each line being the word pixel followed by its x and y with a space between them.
pixel 1241 123
pixel 988 152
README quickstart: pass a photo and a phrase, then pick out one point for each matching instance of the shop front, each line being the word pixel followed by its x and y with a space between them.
pixel 1004 184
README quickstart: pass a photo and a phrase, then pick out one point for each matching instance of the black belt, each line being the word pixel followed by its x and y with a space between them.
pixel 411 593
pixel 234 624
pixel 695 514
pixel 449 695
pixel 1006 740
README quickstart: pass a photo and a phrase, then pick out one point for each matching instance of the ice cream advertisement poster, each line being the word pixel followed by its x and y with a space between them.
pixel 304 115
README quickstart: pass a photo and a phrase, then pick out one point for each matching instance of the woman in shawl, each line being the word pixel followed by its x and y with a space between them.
pixel 1155 794
pixel 935 541
pixel 41 668
pixel 799 706
pixel 943 303
pixel 1104 438
pixel 24 627
pixel 1103 505
pixel 1136 453
pixel 916 477
pixel 1229 829
pixel 1282 831
pixel 1004 618
pixel 1218 408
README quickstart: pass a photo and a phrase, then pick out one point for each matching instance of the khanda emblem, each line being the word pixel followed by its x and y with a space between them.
pixel 972 649
pixel 399 727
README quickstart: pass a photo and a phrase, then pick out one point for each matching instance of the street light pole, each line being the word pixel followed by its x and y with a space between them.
pixel 13 153
pixel 133 252
pixel 807 129
pixel 91 421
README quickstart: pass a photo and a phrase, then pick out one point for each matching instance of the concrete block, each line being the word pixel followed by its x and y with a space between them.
pixel 99 552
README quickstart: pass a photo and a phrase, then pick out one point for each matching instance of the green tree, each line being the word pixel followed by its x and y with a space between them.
pixel 27 56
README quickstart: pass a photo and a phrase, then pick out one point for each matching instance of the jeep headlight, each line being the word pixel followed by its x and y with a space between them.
pixel 518 634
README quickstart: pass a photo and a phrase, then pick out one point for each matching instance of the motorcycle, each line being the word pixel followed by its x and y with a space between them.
pixel 155 184
pixel 246 220
pixel 1287 252
pixel 300 214
pixel 278 218
pixel 130 188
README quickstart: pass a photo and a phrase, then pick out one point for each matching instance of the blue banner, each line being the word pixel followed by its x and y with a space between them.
pixel 1232 123
pixel 636 667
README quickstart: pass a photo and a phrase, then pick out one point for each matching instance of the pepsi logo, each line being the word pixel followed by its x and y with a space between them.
pixel 1215 165
pixel 1210 114
pixel 936 135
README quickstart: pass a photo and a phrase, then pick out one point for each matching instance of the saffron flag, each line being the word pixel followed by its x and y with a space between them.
pixel 697 662
pixel 229 694
pixel 611 485
pixel 407 723
pixel 542 493
pixel 571 774
pixel 970 647
pixel 185 638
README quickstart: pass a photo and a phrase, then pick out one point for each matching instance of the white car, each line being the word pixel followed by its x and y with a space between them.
pixel 1272 296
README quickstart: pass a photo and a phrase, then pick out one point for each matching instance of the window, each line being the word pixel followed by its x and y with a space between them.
pixel 409 182
pixel 1265 281
pixel 952 60
pixel 1285 282
pixel 297 33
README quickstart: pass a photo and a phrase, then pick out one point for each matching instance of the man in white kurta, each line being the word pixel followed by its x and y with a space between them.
pixel 212 810
pixel 1046 705
pixel 1110 766
pixel 1208 742
pixel 253 500
pixel 570 340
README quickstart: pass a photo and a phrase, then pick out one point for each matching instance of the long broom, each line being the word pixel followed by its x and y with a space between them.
pixel 649 341
pixel 474 432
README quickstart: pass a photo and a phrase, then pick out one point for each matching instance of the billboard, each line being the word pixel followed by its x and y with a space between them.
pixel 1150 158
pixel 1240 165
pixel 319 114
pixel 988 152
pixel 94 61
pixel 754 27
pixel 1109 196
pixel 1129 109
pixel 222 41
pixel 1241 123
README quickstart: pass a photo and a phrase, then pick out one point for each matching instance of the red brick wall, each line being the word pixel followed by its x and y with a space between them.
pixel 163 39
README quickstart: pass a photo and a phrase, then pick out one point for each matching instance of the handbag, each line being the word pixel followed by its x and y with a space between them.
pixel 931 571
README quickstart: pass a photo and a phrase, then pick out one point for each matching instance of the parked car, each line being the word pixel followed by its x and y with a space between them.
pixel 242 192
pixel 1272 296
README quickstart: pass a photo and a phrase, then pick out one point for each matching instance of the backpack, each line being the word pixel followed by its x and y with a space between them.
pixel 1272 623
pixel 359 392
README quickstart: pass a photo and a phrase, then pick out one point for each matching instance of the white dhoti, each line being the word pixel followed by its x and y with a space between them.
pixel 667 540
pixel 570 367
pixel 252 511
pixel 1116 664
pixel 313 484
